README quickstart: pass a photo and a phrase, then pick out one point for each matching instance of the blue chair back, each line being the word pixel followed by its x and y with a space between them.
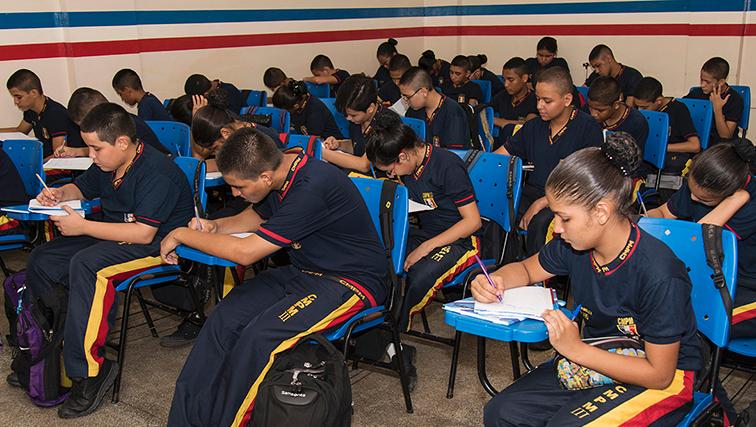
pixel 321 90
pixel 686 241
pixel 280 119
pixel 501 78
pixel 341 121
pixel 417 125
pixel 485 86
pixel 256 98
pixel 312 149
pixel 167 102
pixel 658 137
pixel 26 155
pixel 481 132
pixel 583 90
pixel 745 93
pixel 188 165
pixel 370 189
pixel 174 136
pixel 702 115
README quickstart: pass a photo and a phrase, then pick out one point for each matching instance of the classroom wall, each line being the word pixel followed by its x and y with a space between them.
pixel 70 44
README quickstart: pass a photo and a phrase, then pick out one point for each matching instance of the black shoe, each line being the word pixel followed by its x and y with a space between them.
pixel 409 354
pixel 12 380
pixel 540 346
pixel 185 334
pixel 87 394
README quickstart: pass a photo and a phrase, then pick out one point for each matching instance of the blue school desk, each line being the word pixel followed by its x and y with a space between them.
pixel 88 206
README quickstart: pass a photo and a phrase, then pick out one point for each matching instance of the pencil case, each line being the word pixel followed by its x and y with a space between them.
pixel 572 376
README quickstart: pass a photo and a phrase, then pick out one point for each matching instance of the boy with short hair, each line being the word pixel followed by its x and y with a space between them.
pixel 197 84
pixel 47 118
pixel 459 87
pixel 445 120
pixel 273 78
pixel 602 60
pixel 516 104
pixel 683 139
pixel 726 102
pixel 323 71
pixel 559 131
pixel 128 86
pixel 389 92
pixel 144 196
pixel 311 209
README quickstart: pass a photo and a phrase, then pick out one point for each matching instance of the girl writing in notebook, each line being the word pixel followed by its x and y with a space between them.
pixel 629 284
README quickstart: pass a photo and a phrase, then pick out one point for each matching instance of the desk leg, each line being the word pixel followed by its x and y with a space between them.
pixel 514 353
pixel 482 375
pixel 525 359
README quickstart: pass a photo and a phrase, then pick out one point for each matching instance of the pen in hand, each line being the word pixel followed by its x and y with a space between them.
pixel 575 312
pixel 197 215
pixel 50 193
pixel 485 272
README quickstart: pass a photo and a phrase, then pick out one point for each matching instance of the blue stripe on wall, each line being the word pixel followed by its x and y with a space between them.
pixel 23 20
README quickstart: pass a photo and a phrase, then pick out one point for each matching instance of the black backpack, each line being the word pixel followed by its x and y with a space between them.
pixel 307 385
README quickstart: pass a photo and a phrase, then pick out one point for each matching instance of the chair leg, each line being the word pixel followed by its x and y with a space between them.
pixel 122 343
pixel 146 313
pixel 402 369
pixel 453 368
pixel 426 326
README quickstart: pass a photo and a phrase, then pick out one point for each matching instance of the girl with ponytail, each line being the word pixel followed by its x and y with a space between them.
pixel 478 71
pixel 309 116
pixel 628 287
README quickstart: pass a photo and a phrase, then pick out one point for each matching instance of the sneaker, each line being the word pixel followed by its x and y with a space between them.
pixel 12 380
pixel 185 334
pixel 409 354
pixel 87 394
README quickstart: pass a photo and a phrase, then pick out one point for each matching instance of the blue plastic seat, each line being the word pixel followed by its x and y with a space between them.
pixel 255 98
pixel 417 125
pixel 311 145
pixel 702 116
pixel 583 90
pixel 280 119
pixel 175 136
pixel 485 87
pixel 341 121
pixel 319 90
pixel 655 150
pixel 745 93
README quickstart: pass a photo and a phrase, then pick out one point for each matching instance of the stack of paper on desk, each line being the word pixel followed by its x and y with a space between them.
pixel 527 301
pixel 57 210
pixel 69 163
pixel 466 307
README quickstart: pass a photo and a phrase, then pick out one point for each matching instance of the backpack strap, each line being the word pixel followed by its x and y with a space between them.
pixel 712 235
pixel 386 215
pixel 486 128
pixel 470 158
pixel 311 146
pixel 510 191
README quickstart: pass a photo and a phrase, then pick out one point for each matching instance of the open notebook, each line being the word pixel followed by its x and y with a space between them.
pixel 525 301
pixel 69 163
pixel 57 210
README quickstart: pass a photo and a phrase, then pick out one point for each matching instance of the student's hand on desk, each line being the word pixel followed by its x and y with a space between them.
pixel 64 151
pixel 208 225
pixel 168 248
pixel 71 225
pixel 419 253
pixel 198 101
pixel 564 335
pixel 49 196
pixel 482 290
pixel 716 98
pixel 332 143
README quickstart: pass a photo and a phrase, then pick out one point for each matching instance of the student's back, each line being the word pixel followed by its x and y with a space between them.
pixel 732 110
pixel 150 108
pixel 315 119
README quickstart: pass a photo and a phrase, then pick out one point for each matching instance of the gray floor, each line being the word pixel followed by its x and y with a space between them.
pixel 150 372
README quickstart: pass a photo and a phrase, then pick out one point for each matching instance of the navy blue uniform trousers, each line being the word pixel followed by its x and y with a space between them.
pixel 239 341
pixel 89 268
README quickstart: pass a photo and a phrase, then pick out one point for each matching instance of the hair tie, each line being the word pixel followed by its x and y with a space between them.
pixel 622 152
pixel 744 149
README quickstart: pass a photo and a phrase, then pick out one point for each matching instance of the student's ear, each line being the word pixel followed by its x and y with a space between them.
pixel 226 132
pixel 267 178
pixel 122 142
pixel 602 212
pixel 568 99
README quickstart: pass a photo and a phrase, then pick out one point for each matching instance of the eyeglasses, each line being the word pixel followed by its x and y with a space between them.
pixel 407 98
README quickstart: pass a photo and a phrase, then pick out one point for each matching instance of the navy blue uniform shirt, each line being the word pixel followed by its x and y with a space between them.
pixel 644 292
pixel 150 108
pixel 628 79
pixel 340 75
pixel 322 221
pixel 464 92
pixel 359 136
pixel 382 75
pixel 389 92
pixel 534 143
pixel 743 224
pixel 634 123
pixel 732 110
pixel 51 122
pixel 534 67
pixel 12 190
pixel 153 191
pixel 447 127
pixel 442 183
pixel 315 119
pixel 513 110
pixel 234 101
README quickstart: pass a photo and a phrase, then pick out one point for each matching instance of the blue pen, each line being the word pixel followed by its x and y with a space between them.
pixel 575 312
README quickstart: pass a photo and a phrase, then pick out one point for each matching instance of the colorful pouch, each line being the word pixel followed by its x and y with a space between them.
pixel 576 377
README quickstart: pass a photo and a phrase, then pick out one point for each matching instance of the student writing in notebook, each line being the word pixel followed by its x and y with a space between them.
pixel 629 285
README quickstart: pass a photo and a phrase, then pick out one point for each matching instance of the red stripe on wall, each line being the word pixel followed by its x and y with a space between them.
pixel 124 47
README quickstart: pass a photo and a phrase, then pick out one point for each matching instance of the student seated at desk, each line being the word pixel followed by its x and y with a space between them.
pixel 197 84
pixel 445 120
pixel 47 118
pixel 312 210
pixel 309 116
pixel 683 140
pixel 273 78
pixel 516 104
pixel 546 57
pixel 720 190
pixel 606 106
pixel 447 240
pixel 128 86
pixel 437 68
pixel 478 71
pixel 727 103
pixel 143 195
pixel 358 102
pixel 385 52
pixel 459 87
pixel 602 60
pixel 629 285
pixel 559 131
pixel 389 92
pixel 323 71
pixel 181 109
pixel 211 128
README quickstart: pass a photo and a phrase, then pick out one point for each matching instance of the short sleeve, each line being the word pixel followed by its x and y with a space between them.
pixel 302 212
pixel 144 111
pixel 265 207
pixel 456 131
pixel 58 123
pixel 665 310
pixel 684 122
pixel 632 82
pixel 733 109
pixel 90 182
pixel 516 146
pixel 457 184
pixel 556 257
pixel 680 204
pixel 156 200
pixel 476 92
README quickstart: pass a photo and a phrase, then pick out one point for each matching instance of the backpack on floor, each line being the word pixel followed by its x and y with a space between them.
pixel 307 385
pixel 39 337
pixel 12 286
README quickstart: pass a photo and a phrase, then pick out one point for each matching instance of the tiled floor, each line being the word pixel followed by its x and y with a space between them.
pixel 150 373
